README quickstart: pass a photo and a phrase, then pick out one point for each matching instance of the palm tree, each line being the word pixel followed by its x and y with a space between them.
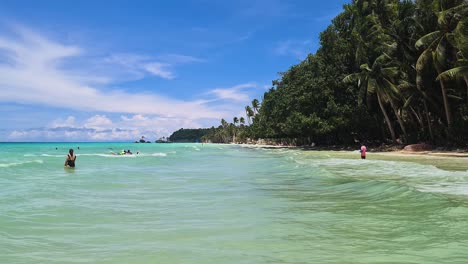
pixel 255 106
pixel 242 121
pixel 235 120
pixel 249 113
pixel 224 123
pixel 461 66
pixel 379 80
pixel 438 50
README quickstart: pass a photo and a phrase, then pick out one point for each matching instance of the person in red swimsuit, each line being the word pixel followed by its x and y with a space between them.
pixel 363 152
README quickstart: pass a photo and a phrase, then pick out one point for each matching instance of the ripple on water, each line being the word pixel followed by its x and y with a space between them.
pixel 227 204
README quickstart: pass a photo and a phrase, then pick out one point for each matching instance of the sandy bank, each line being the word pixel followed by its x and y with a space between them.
pixel 387 150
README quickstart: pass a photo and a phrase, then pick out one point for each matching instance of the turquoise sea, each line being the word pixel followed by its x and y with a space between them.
pixel 194 203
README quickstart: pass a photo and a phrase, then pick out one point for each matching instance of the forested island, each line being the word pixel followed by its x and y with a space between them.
pixel 386 71
pixel 189 135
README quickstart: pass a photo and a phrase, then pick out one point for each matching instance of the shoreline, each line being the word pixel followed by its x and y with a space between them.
pixel 390 149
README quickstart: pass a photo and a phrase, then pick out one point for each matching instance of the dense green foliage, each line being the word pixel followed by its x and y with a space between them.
pixel 386 70
pixel 188 135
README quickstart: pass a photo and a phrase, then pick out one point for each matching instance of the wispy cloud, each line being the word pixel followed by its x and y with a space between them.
pixel 38 71
pixel 73 134
pixel 139 66
pixel 236 93
pixel 295 48
pixel 176 59
pixel 103 128
pixel 159 69
pixel 33 74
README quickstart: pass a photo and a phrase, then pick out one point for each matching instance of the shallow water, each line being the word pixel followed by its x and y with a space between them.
pixel 193 203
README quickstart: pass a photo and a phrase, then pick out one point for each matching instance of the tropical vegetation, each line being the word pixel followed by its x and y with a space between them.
pixel 386 71
pixel 188 135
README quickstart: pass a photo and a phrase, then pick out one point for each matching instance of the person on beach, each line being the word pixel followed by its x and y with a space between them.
pixel 70 161
pixel 363 152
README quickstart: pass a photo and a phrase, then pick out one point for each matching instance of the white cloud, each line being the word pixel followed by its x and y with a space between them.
pixel 295 48
pixel 70 121
pixel 98 122
pixel 33 75
pixel 135 118
pixel 74 134
pixel 159 69
pixel 175 59
pixel 102 128
pixel 35 71
pixel 137 66
pixel 235 93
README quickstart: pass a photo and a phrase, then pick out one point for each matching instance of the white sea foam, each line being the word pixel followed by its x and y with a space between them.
pixel 55 156
pixel 106 155
pixel 159 154
pixel 12 164
pixel 423 177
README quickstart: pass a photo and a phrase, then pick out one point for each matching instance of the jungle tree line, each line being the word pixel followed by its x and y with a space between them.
pixel 386 70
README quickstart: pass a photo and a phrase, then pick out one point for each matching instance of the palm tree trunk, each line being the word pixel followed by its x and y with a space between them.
pixel 446 106
pixel 428 120
pixel 418 117
pixel 400 121
pixel 389 124
pixel 433 103
pixel 466 81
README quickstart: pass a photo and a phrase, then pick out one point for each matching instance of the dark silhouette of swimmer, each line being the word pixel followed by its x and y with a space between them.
pixel 70 161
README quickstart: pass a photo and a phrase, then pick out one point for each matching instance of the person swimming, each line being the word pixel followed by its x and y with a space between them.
pixel 129 152
pixel 70 161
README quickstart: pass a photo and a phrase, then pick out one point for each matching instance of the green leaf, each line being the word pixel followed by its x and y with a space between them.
pixel 424 60
pixel 428 39
pixel 391 72
pixel 454 73
pixel 371 86
pixel 454 97
pixel 365 67
pixel 408 101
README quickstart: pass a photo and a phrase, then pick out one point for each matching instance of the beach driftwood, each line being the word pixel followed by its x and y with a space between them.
pixel 418 147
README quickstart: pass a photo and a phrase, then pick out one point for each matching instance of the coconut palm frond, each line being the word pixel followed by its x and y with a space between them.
pixel 408 102
pixel 440 53
pixel 424 59
pixel 365 67
pixel 354 77
pixel 390 71
pixel 454 73
pixel 371 86
pixel 454 97
pixel 427 40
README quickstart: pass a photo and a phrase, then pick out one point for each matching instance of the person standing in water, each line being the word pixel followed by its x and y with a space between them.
pixel 363 152
pixel 70 161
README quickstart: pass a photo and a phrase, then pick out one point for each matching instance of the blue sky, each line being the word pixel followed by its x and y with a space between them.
pixel 116 70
